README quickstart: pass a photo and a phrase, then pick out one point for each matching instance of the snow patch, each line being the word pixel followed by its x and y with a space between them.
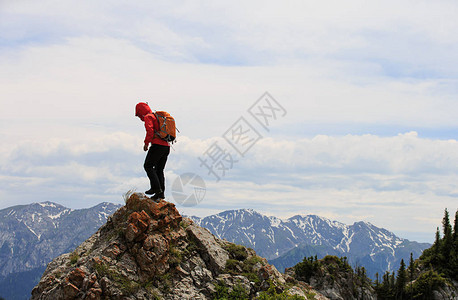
pixel 59 214
pixel 47 204
pixel 31 230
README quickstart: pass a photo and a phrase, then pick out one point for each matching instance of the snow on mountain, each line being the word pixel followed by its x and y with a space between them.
pixel 31 235
pixel 271 237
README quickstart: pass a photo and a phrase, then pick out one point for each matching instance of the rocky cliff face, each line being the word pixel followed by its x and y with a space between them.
pixel 334 278
pixel 146 250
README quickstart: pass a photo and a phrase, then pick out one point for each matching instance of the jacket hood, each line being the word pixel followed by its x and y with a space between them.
pixel 142 109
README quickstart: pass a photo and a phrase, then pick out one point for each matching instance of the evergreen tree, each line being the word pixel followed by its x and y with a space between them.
pixel 401 280
pixel 392 281
pixel 446 224
pixel 455 228
pixel 385 290
pixel 363 276
pixel 434 267
pixel 437 240
pixel 411 267
pixel 454 253
pixel 386 279
pixel 447 244
pixel 436 248
pixel 411 273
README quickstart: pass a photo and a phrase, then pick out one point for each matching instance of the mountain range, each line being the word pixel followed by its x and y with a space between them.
pixel 32 235
pixel 286 242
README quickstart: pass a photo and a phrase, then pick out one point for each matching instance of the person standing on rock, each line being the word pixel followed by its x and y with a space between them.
pixel 156 157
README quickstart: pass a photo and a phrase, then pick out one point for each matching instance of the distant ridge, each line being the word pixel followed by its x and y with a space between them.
pixel 32 235
pixel 286 242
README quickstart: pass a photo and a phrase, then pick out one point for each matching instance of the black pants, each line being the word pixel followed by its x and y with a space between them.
pixel 154 166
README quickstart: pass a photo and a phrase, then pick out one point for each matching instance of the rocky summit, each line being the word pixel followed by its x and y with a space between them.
pixel 147 250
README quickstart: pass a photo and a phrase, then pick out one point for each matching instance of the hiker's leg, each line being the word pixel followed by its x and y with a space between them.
pixel 161 165
pixel 152 157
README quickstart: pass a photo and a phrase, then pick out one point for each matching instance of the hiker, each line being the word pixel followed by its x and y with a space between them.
pixel 157 154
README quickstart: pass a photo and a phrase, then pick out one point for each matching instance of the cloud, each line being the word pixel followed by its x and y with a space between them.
pixel 361 82
pixel 412 38
pixel 405 154
pixel 77 85
pixel 347 178
pixel 378 179
pixel 67 170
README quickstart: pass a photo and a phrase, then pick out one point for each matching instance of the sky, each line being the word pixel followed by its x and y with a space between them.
pixel 347 110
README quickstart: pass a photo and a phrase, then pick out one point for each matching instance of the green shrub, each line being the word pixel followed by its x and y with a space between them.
pixel 74 258
pixel 184 224
pixel 175 256
pixel 271 294
pixel 191 246
pixel 425 285
pixel 253 260
pixel 127 286
pixel 233 266
pixel 305 269
pixel 237 252
pixel 222 292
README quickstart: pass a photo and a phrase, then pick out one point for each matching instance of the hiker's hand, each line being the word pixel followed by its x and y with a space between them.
pixel 145 147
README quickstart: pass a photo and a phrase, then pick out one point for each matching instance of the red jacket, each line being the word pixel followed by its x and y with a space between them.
pixel 143 111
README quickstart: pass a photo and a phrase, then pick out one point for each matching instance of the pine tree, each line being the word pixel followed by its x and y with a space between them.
pixel 401 280
pixel 386 281
pixel 436 248
pixel 363 276
pixel 392 281
pixel 455 228
pixel 447 243
pixel 385 290
pixel 454 253
pixel 437 240
pixel 446 224
pixel 411 269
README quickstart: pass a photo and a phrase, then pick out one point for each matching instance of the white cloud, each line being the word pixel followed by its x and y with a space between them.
pixel 411 34
pixel 92 84
pixel 378 179
pixel 71 75
pixel 398 180
pixel 402 154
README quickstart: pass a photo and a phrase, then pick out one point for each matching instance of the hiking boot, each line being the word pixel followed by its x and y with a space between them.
pixel 158 196
pixel 151 192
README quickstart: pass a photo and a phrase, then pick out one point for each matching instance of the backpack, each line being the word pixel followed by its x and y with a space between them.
pixel 167 129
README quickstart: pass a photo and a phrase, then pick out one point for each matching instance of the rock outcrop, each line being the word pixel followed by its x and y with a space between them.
pixel 147 250
pixel 334 278
pixel 446 292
